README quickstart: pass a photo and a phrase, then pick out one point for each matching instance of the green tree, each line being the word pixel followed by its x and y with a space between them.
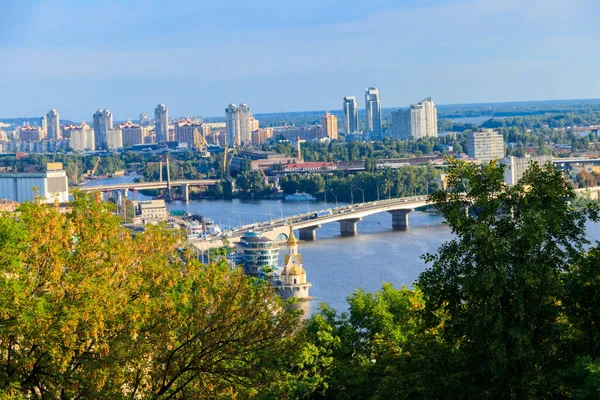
pixel 500 281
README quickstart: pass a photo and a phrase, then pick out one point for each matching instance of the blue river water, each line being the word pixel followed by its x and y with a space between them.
pixel 338 265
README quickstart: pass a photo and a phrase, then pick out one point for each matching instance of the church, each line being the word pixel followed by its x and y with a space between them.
pixel 292 281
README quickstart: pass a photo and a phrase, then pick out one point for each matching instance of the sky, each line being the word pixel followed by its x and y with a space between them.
pixel 290 55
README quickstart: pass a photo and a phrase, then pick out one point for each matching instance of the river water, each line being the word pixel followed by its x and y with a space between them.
pixel 337 265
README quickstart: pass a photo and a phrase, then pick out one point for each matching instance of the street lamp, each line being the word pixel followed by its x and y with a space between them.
pixel 363 194
pixel 334 195
pixel 352 194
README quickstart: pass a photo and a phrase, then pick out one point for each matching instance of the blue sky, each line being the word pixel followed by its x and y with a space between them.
pixel 198 56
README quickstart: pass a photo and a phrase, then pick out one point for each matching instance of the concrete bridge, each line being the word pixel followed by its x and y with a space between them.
pixel 307 224
pixel 184 185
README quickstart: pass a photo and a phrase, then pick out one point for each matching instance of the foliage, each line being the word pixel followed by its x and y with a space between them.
pixel 88 310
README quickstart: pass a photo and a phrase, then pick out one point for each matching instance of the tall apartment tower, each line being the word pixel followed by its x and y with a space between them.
pixel 330 126
pixel 53 125
pixel 44 124
pixel 419 121
pixel 103 121
pixel 350 115
pixel 243 114
pixel 161 123
pixel 144 120
pixel 373 108
pixel 232 125
pixel 485 145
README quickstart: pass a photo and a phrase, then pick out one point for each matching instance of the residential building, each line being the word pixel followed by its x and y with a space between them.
pixel 485 145
pixel 373 109
pixel 81 137
pixel 330 126
pixel 232 125
pixel 184 131
pixel 516 166
pixel 418 121
pixel 161 123
pixel 53 125
pixel 48 186
pixel 144 120
pixel 253 124
pixel 132 134
pixel 44 124
pixel 350 115
pixel 103 121
pixel 114 139
pixel 258 253
pixel 29 133
pixel 292 279
pixel 244 116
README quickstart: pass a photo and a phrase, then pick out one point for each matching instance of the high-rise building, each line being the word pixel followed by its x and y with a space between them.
pixel 254 125
pixel 29 133
pixel 516 166
pixel 485 145
pixel 350 115
pixel 144 120
pixel 232 125
pixel 132 134
pixel 419 121
pixel 103 121
pixel 330 126
pixel 184 131
pixel 373 109
pixel 244 124
pixel 114 139
pixel 44 124
pixel 161 123
pixel 53 125
pixel 81 137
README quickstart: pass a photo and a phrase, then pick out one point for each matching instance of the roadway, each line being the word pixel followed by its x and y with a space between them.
pixel 308 223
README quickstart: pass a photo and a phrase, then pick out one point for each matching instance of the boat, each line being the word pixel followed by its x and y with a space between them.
pixel 300 197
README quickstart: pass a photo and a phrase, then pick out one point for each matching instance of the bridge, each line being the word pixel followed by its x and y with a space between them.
pixel 184 185
pixel 307 224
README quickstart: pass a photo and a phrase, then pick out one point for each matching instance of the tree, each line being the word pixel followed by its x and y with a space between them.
pixel 500 281
pixel 88 310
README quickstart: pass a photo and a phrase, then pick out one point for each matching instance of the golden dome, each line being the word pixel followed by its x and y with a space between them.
pixel 291 238
pixel 297 270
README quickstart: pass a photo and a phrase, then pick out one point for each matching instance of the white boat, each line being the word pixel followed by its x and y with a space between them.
pixel 300 197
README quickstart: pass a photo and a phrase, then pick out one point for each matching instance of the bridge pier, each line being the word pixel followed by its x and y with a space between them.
pixel 309 233
pixel 400 219
pixel 185 191
pixel 348 226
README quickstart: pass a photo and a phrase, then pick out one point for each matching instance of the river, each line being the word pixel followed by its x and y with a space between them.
pixel 337 265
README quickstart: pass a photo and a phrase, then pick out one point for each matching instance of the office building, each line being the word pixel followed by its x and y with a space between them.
pixel 330 126
pixel 419 121
pixel 258 253
pixel 114 139
pixel 81 137
pixel 350 115
pixel 161 123
pixel 232 125
pixel 373 109
pixel 516 166
pixel 485 145
pixel 53 125
pixel 103 121
pixel 50 186
pixel 132 134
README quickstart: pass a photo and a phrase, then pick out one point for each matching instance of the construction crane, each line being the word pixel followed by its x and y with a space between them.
pixel 200 143
pixel 93 171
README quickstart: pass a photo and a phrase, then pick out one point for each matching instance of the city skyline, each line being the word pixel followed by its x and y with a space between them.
pixel 96 54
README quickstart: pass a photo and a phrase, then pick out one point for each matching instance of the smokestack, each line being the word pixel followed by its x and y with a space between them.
pixel 299 154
